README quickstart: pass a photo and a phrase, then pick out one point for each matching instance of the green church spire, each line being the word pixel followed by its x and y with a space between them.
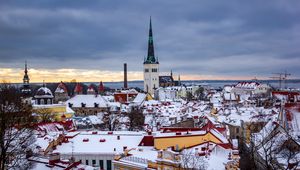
pixel 150 57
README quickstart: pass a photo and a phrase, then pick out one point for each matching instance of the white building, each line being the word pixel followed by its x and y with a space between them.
pixel 98 148
pixel 165 94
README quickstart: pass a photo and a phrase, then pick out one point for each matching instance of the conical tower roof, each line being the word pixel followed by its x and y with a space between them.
pixel 151 59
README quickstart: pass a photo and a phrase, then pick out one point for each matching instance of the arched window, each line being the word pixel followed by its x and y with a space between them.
pixel 42 101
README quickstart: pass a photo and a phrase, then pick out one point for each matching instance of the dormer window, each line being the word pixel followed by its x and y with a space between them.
pixel 96 105
pixel 83 104
pixel 70 104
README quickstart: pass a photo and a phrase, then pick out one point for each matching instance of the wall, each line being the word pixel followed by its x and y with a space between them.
pixel 56 110
pixel 151 79
pixel 90 157
pixel 183 141
pixel 84 111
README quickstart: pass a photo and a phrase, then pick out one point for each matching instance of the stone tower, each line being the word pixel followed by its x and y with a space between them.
pixel 151 67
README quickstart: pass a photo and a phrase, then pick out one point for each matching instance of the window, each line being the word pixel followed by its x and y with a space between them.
pixel 154 70
pixel 101 164
pixel 93 162
pixel 146 70
pixel 237 130
pixel 87 162
pixel 108 164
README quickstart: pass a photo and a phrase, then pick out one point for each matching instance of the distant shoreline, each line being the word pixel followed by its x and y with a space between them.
pixel 138 81
pixel 291 83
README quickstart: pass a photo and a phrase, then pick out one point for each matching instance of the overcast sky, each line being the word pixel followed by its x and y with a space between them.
pixel 90 40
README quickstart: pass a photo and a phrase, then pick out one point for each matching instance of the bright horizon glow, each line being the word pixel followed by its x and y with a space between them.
pixel 83 75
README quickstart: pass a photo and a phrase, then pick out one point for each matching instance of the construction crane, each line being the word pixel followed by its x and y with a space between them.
pixel 285 78
pixel 282 78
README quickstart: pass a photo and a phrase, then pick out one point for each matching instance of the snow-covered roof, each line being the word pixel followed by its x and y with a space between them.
pixel 61 88
pixel 144 152
pixel 247 85
pixel 139 98
pixel 109 98
pixel 88 100
pixel 110 144
pixel 43 92
pixel 41 163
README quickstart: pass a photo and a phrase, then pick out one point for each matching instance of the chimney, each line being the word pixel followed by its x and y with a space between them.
pixel 54 158
pixel 125 76
pixel 124 148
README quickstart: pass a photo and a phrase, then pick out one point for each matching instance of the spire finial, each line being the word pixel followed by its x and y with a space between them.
pixel 150 23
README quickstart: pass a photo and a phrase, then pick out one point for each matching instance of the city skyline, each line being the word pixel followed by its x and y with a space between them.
pixel 200 41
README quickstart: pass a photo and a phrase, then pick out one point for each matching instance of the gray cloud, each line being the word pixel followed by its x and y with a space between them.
pixel 224 38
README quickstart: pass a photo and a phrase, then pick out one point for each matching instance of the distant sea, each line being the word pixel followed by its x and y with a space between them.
pixel 295 84
pixel 213 83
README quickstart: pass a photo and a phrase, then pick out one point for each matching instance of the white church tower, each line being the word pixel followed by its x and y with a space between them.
pixel 151 67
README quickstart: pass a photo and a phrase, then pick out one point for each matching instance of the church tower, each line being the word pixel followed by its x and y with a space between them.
pixel 151 66
pixel 26 91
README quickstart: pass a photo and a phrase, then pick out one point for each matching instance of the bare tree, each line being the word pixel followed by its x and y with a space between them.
pixel 191 160
pixel 288 153
pixel 199 93
pixel 45 115
pixel 262 149
pixel 136 119
pixel 112 120
pixel 189 96
pixel 16 137
pixel 274 148
pixel 156 120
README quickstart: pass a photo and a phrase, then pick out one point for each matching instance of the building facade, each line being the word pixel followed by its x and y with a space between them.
pixel 61 93
pixel 43 96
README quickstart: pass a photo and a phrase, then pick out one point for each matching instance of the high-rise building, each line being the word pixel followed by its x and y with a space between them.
pixel 151 66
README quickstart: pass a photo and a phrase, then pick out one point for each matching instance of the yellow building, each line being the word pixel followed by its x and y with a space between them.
pixel 183 140
pixel 167 148
pixel 55 111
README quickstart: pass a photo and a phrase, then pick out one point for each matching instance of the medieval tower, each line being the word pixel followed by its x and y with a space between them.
pixel 151 67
